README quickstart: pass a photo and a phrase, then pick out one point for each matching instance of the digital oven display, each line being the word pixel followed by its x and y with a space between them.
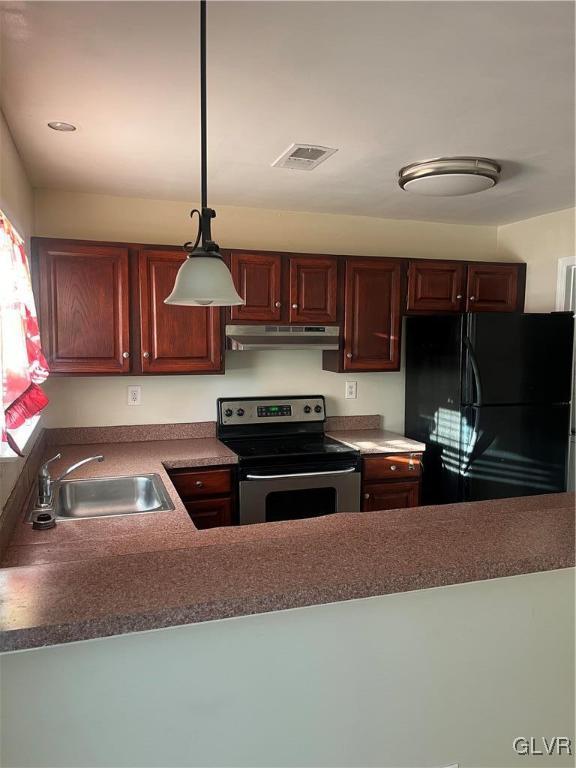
pixel 274 410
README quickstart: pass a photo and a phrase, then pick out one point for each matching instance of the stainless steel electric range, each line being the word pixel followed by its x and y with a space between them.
pixel 288 468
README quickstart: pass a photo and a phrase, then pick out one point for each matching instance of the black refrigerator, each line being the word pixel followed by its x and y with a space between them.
pixel 489 394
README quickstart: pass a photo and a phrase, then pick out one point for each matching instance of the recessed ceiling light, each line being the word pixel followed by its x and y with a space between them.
pixel 449 176
pixel 57 125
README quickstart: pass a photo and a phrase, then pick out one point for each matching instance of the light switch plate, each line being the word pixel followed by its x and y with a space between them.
pixel 134 394
pixel 351 392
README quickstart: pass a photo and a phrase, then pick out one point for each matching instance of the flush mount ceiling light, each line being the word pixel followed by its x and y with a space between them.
pixel 204 279
pixel 449 176
pixel 58 125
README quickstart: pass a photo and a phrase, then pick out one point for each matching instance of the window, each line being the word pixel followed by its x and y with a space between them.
pixel 22 364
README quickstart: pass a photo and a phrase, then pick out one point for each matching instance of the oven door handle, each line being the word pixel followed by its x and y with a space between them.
pixel 302 474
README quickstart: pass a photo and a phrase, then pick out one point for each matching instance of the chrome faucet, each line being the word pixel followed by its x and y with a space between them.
pixel 46 483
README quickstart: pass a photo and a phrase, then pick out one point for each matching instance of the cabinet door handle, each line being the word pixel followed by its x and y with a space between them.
pixel 366 495
pixel 125 355
pixel 459 296
pixel 349 355
pixel 199 484
pixel 294 306
pixel 472 298
pixel 146 354
pixel 278 304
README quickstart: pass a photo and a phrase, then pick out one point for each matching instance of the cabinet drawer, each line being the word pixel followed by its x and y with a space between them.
pixel 212 482
pixel 210 513
pixel 390 467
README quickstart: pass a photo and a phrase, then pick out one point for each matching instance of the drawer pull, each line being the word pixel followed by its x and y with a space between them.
pixel 199 484
pixel 393 468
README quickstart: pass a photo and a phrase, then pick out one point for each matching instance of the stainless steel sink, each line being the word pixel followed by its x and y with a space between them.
pixel 111 496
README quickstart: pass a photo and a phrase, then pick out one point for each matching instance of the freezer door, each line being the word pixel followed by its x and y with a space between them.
pixel 517 358
pixel 513 451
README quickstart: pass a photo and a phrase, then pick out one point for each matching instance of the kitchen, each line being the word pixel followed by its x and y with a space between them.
pixel 206 411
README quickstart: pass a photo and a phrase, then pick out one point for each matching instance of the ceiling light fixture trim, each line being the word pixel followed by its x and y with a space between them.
pixel 203 279
pixel 58 125
pixel 450 176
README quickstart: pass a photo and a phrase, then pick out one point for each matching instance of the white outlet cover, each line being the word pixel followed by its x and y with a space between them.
pixel 134 394
pixel 351 391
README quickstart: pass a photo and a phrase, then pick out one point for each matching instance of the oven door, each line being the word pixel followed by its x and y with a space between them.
pixel 267 496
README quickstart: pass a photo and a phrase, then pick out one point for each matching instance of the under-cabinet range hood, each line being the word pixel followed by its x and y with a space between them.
pixel 248 337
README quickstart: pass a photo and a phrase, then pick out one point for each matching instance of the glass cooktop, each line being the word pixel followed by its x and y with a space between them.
pixel 302 446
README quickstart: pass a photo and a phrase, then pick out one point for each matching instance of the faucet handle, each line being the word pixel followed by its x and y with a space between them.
pixel 44 467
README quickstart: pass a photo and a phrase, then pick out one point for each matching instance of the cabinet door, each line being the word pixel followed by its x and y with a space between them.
pixel 210 513
pixel 492 288
pixel 257 277
pixel 391 495
pixel 84 307
pixel 313 289
pixel 372 315
pixel 174 339
pixel 436 286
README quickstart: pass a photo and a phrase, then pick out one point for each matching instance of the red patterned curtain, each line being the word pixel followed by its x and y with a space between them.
pixel 22 364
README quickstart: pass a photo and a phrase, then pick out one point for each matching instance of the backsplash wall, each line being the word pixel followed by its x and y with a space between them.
pixel 167 399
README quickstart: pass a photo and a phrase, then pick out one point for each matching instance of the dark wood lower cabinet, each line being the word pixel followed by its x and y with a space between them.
pixel 395 494
pixel 391 482
pixel 208 495
pixel 210 513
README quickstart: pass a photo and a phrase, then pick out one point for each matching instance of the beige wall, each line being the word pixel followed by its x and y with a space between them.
pixel 540 242
pixel 91 401
pixel 69 214
pixel 16 196
pixel 426 678
pixel 17 202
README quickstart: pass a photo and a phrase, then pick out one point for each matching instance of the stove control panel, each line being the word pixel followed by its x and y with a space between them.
pixel 270 410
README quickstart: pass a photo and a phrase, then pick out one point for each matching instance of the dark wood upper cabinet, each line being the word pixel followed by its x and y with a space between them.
pixel 83 306
pixel 372 317
pixel 495 287
pixel 258 279
pixel 436 286
pixel 174 339
pixel 313 289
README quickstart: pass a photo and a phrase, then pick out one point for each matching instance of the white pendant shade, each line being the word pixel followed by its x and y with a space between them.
pixel 204 281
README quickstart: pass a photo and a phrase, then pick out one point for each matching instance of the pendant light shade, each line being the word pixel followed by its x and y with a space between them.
pixel 204 280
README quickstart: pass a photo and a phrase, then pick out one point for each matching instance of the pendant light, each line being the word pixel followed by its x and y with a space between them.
pixel 203 279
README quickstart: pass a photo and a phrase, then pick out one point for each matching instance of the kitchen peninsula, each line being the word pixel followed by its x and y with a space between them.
pixel 62 584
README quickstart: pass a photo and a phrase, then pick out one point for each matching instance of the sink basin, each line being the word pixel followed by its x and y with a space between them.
pixel 111 496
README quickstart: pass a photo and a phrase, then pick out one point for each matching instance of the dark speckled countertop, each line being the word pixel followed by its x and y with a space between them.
pixel 97 578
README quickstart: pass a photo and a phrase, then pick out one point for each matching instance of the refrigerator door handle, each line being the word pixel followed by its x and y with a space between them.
pixel 475 370
pixel 472 444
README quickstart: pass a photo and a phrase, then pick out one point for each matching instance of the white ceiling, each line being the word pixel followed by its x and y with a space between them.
pixel 386 83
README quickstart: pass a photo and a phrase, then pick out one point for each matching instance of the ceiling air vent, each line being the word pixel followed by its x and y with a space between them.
pixel 303 157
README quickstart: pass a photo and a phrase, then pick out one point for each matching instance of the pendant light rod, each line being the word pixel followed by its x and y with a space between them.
pixel 207 214
pixel 203 110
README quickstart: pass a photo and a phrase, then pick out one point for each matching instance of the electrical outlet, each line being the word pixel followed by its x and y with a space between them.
pixel 135 395
pixel 351 392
